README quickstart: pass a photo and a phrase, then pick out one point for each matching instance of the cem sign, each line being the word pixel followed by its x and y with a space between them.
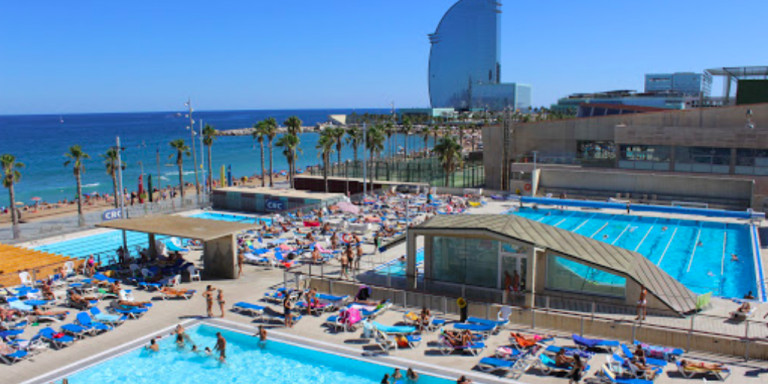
pixel 275 205
pixel 110 214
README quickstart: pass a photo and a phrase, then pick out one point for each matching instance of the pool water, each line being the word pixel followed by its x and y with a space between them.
pixel 247 362
pixel 696 253
pixel 397 268
pixel 105 243
pixel 228 217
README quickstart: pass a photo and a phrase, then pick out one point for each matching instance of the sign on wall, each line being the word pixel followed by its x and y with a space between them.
pixel 275 205
pixel 111 214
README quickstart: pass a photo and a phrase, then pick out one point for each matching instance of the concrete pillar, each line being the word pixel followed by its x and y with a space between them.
pixel 672 151
pixel 410 267
pixel 220 257
pixel 531 280
pixel 732 163
pixel 152 247
pixel 428 257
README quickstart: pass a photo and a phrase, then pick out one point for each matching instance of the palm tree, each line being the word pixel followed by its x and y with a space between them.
pixel 181 149
pixel 293 124
pixel 354 138
pixel 110 162
pixel 426 131
pixel 407 128
pixel 209 135
pixel 76 157
pixel 290 144
pixel 374 142
pixel 338 136
pixel 389 130
pixel 11 176
pixel 449 152
pixel 325 145
pixel 260 131
pixel 270 130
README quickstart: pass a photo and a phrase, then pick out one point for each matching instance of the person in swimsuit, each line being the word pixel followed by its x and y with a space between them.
pixel 240 261
pixel 287 307
pixel 221 346
pixel 642 304
pixel 262 336
pixel 220 299
pixel 208 295
pixel 153 346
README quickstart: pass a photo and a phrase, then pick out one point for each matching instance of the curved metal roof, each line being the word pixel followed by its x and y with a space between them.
pixel 617 260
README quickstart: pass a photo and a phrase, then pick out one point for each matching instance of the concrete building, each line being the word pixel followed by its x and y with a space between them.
pixel 711 155
pixel 570 104
pixel 464 67
pixel 682 83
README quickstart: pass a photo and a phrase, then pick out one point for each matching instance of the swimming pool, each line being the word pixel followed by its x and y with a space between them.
pixel 228 217
pixel 105 243
pixel 397 268
pixel 247 362
pixel 697 253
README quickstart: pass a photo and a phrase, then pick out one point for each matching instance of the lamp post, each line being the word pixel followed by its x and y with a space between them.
pixel 121 192
pixel 191 128
pixel 365 174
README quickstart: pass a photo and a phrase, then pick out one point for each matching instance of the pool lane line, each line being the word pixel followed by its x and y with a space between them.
pixel 646 235
pixel 601 228
pixel 668 244
pixel 693 252
pixel 624 231
pixel 583 222
pixel 564 219
pixel 355 354
pixel 114 352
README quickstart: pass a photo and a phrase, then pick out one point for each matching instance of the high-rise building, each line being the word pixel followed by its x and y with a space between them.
pixel 464 68
pixel 682 83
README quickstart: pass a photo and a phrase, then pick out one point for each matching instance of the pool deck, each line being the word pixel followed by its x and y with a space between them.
pixel 257 280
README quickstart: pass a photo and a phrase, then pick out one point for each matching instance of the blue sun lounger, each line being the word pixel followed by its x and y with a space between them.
pixel 106 318
pixel 658 351
pixel 56 339
pixel 497 323
pixel 248 309
pixel 491 364
pixel 609 375
pixel 85 321
pixel 16 356
pixel 402 329
pixel 133 312
pixel 474 327
pixel 548 365
pixel 648 360
pixel 593 344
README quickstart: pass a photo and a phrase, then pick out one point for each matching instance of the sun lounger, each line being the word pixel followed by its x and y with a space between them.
pixel 554 349
pixel 19 306
pixel 547 365
pixel 660 352
pixel 295 318
pixel 131 312
pixel 248 309
pixel 180 294
pixel 75 330
pixel 612 377
pixel 595 344
pixel 57 340
pixel 492 364
pixel 13 357
pixel 446 347
pixel 278 295
pixel 690 372
pixel 479 328
pixel 32 346
pixel 94 327
pixel 402 329
pixel 742 316
pixel 625 366
pixel 387 341
pixel 648 360
pixel 10 334
pixel 498 324
pixel 107 318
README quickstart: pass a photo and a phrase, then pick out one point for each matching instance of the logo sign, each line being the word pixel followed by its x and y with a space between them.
pixel 110 214
pixel 275 205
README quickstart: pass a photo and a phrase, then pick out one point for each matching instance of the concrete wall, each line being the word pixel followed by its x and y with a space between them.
pixel 256 202
pixel 220 257
pixel 341 184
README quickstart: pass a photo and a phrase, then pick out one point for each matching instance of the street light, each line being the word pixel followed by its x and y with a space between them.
pixel 191 128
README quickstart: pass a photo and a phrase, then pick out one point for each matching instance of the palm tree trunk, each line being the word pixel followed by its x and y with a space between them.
pixel 325 170
pixel 210 170
pixel 14 217
pixel 447 175
pixel 80 218
pixel 114 189
pixel 270 163
pixel 262 163
pixel 181 183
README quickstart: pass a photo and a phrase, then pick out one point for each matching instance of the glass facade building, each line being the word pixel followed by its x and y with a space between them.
pixel 683 83
pixel 464 68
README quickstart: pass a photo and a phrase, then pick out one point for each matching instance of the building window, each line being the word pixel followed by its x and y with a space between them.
pixel 571 276
pixel 751 162
pixel 590 150
pixel 649 157
pixel 466 261
pixel 702 159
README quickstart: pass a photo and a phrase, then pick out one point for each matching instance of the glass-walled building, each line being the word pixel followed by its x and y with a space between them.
pixel 464 68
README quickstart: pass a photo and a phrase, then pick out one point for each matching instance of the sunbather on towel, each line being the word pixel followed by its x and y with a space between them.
pixel 38 312
pixel 701 365
pixel 174 292
pixel 78 299
pixel 6 349
pixel 126 303
pixel 47 292
pixel 526 340
pixel 561 360
pixel 7 314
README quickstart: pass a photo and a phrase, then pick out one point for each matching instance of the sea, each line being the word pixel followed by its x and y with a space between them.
pixel 40 141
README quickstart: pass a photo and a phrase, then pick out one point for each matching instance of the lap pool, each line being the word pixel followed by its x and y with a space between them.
pixel 247 362
pixel 699 254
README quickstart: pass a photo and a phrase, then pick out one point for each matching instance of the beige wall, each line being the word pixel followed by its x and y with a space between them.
pixel 220 257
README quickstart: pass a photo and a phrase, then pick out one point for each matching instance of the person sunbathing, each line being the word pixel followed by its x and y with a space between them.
pixel 744 308
pixel 701 365
pixel 38 312
pixel 128 303
pixel 316 256
pixel 47 292
pixel 175 292
pixel 562 360
pixel 78 299
pixel 115 288
pixel 7 314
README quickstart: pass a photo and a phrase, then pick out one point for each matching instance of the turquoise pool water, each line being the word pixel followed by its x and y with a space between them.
pixel 696 253
pixel 227 217
pixel 105 243
pixel 247 362
pixel 397 268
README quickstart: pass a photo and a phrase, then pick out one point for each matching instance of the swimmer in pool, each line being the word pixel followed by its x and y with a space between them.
pixel 605 236
pixel 734 257
pixel 700 244
pixel 710 274
pixel 664 228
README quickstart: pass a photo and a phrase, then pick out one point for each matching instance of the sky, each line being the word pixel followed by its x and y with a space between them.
pixel 84 56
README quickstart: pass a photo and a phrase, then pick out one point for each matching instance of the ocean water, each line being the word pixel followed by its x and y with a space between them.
pixel 40 141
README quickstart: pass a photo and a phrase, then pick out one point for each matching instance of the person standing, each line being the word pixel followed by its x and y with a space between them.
pixel 463 306
pixel 220 299
pixel 221 346
pixel 345 259
pixel 356 265
pixel 240 261
pixel 208 295
pixel 642 304
pixel 287 307
pixel 577 370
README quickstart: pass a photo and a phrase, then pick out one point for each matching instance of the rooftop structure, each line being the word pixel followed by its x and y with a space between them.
pixel 680 83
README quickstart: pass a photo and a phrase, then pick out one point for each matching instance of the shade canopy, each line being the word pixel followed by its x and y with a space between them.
pixel 180 226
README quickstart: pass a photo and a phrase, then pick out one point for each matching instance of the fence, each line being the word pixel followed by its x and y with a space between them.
pixel 423 170
pixel 703 332
pixel 67 224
